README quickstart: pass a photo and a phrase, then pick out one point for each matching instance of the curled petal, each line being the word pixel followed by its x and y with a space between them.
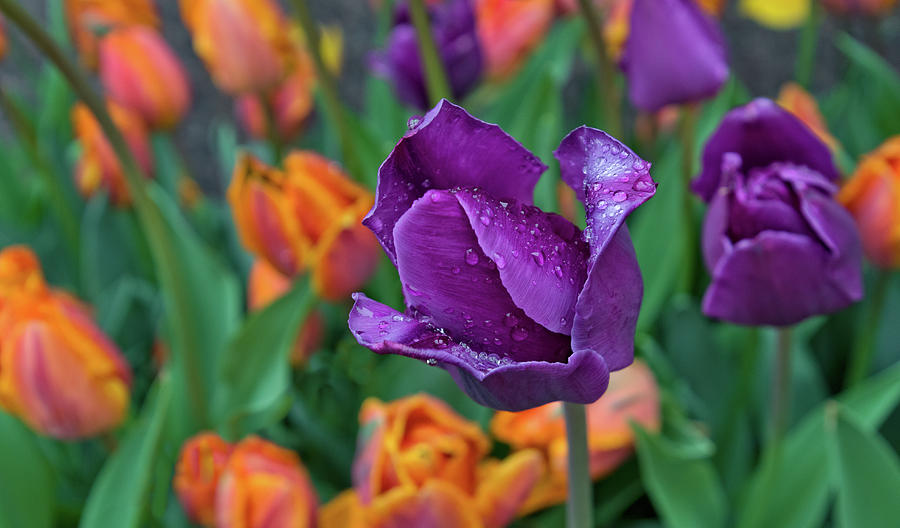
pixel 505 486
pixel 446 149
pixel 437 504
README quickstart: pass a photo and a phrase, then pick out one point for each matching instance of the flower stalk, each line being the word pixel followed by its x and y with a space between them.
pixel 687 133
pixel 435 75
pixel 806 52
pixel 781 386
pixel 579 512
pixel 864 346
pixel 608 93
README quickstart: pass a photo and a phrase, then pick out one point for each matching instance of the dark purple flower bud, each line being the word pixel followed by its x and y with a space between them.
pixel 674 54
pixel 779 247
pixel 519 305
pixel 454 31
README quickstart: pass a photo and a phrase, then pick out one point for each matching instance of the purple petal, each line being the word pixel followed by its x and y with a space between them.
pixel 776 279
pixel 540 257
pixel 449 280
pixel 674 53
pixel 715 229
pixel 488 379
pixel 401 65
pixel 762 133
pixel 447 149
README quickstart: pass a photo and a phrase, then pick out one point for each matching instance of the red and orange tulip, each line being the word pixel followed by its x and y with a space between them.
pixel 306 216
pixel 873 197
pixel 200 465
pixel 509 29
pixel 98 167
pixel 88 19
pixel 3 43
pixel 58 372
pixel 291 103
pixel 140 72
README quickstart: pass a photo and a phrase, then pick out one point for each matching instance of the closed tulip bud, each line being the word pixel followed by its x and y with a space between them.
pixel 509 30
pixel 873 197
pixel 290 103
pixel 88 20
pixel 58 372
pixel 98 167
pixel 799 102
pixel 264 485
pixel 305 217
pixel 200 466
pixel 245 44
pixel 140 72
pixel 3 43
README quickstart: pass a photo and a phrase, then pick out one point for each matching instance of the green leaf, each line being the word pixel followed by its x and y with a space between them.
pixel 255 374
pixel 28 483
pixel 867 473
pixel 684 490
pixel 122 490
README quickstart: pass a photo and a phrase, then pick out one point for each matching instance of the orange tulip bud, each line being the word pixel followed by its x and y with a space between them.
pixel 140 72
pixel 632 395
pixel 90 19
pixel 197 474
pixel 245 43
pixel 98 167
pixel 799 102
pixel 58 372
pixel 265 285
pixel 290 103
pixel 873 197
pixel 305 217
pixel 3 43
pixel 509 29
pixel 264 485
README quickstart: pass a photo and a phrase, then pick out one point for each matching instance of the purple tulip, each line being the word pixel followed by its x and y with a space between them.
pixel 674 54
pixel 779 247
pixel 519 305
pixel 454 31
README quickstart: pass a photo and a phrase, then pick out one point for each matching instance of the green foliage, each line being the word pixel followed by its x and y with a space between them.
pixel 28 483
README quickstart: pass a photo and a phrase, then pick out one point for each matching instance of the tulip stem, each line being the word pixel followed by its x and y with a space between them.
pixel 149 214
pixel 334 110
pixel 864 345
pixel 781 386
pixel 579 507
pixel 612 104
pixel 435 75
pixel 806 51
pixel 688 142
pixel 272 128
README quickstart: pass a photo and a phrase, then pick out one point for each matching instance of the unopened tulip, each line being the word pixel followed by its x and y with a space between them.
pixel 246 44
pixel 58 372
pixel 88 20
pixel 873 197
pixel 291 103
pixel 264 485
pixel 509 29
pixel 3 43
pixel 98 166
pixel 799 102
pixel 200 465
pixel 306 216
pixel 140 72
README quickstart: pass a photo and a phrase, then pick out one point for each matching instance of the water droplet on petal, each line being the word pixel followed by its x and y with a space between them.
pixel 413 122
pixel 431 362
pixel 486 220
pixel 471 257
pixel 558 272
pixel 538 258
pixel 454 270
pixel 519 334
pixel 499 260
pixel 619 196
pixel 510 320
pixel 642 186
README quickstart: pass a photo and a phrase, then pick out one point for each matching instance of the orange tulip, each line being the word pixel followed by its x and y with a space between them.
pixel 88 19
pixel 140 72
pixel 264 485
pixel 873 197
pixel 305 217
pixel 799 102
pixel 246 44
pixel 264 286
pixel 2 38
pixel 98 167
pixel 509 29
pixel 632 395
pixel 200 465
pixel 58 372
pixel 290 103
pixel 421 464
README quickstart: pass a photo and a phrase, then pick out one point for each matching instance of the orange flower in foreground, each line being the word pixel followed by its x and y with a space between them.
pixel 264 286
pixel 873 197
pixel 88 19
pixel 291 102
pixel 98 167
pixel 197 474
pixel 306 216
pixel 264 485
pixel 509 29
pixel 140 72
pixel 799 102
pixel 418 463
pixel 58 372
pixel 632 395
pixel 246 44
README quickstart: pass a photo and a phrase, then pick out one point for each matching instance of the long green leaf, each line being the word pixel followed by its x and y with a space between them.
pixel 27 482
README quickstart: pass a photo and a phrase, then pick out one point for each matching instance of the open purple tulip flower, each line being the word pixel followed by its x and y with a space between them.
pixel 519 305
pixel 779 247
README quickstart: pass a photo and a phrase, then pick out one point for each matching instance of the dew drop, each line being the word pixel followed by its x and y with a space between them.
pixel 454 270
pixel 499 260
pixel 471 257
pixel 619 196
pixel 642 186
pixel 510 320
pixel 498 341
pixel 397 318
pixel 558 272
pixel 538 258
pixel 519 334
pixel 413 122
pixel 486 220
pixel 431 362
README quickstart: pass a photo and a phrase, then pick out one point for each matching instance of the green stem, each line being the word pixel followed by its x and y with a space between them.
pixel 781 387
pixel 864 346
pixel 579 507
pixel 806 52
pixel 26 133
pixel 334 110
pixel 609 94
pixel 435 76
pixel 687 134
pixel 151 219
pixel 272 133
